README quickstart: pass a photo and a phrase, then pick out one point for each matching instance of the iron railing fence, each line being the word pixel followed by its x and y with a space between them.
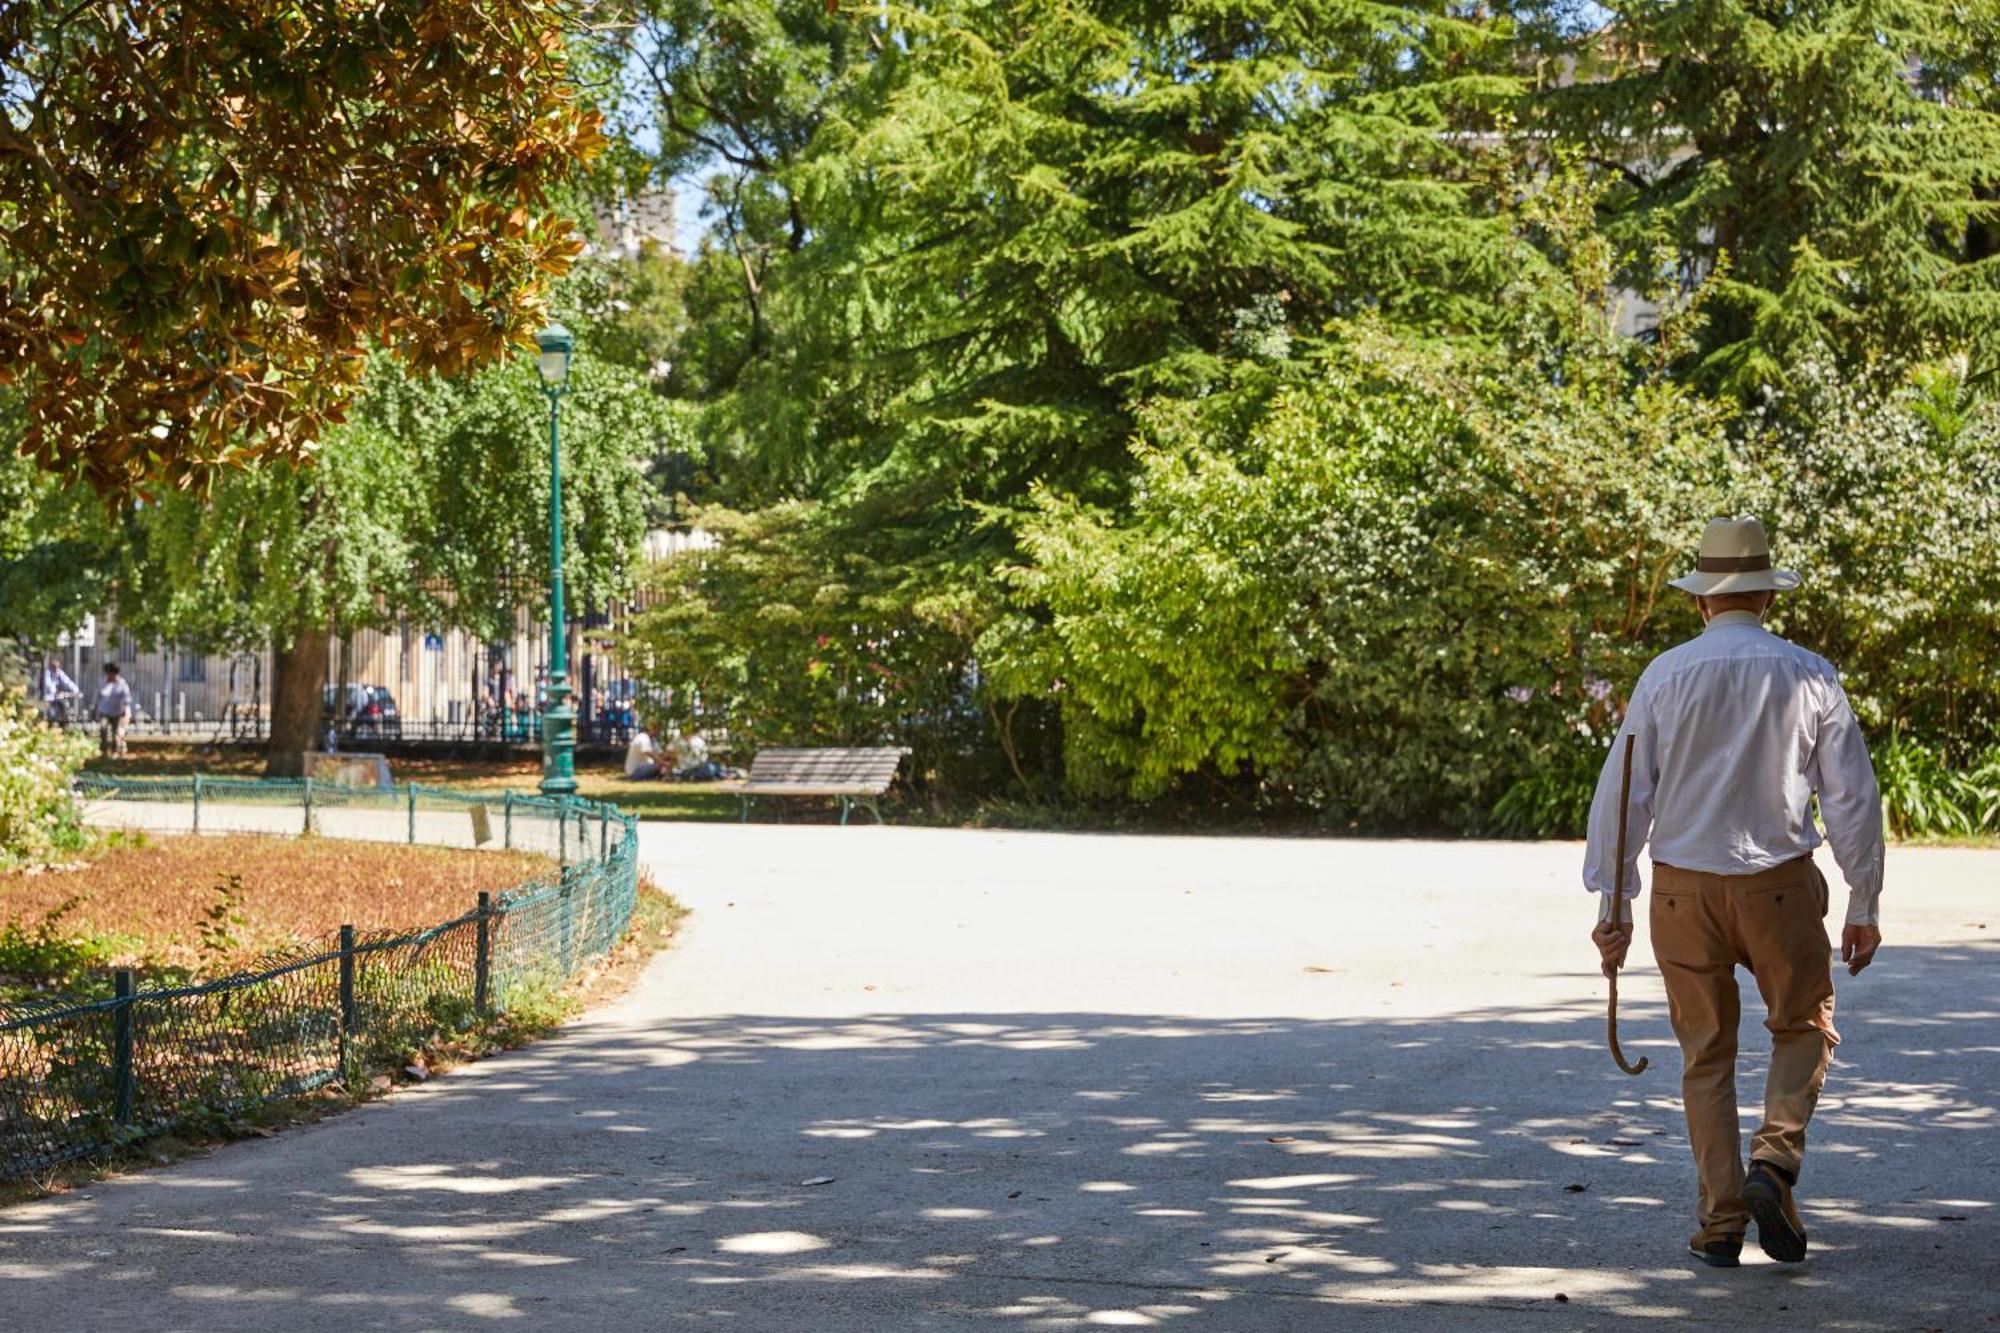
pixel 512 729
pixel 78 1076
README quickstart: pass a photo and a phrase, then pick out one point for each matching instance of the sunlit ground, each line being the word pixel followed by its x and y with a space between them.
pixel 921 1080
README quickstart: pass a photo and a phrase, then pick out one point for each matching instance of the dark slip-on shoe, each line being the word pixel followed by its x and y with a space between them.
pixel 1719 1253
pixel 1768 1196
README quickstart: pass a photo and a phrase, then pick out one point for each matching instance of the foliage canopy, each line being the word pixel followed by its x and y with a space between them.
pixel 212 210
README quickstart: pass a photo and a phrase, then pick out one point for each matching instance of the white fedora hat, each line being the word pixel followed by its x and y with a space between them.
pixel 1735 556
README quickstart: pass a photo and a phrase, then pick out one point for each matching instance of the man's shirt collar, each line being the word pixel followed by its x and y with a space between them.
pixel 1721 618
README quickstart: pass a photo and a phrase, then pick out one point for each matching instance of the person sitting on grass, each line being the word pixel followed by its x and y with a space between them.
pixel 641 760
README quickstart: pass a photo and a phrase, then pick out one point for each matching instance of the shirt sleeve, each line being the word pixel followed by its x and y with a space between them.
pixel 1600 857
pixel 1850 804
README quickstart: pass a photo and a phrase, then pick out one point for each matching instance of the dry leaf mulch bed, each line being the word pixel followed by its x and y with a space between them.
pixel 294 890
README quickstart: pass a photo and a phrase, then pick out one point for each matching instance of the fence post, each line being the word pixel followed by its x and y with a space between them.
pixel 197 803
pixel 123 1080
pixel 562 833
pixel 309 805
pixel 347 1011
pixel 507 822
pixel 567 923
pixel 603 831
pixel 413 814
pixel 482 954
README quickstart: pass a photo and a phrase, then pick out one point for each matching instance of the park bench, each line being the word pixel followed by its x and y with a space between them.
pixel 854 777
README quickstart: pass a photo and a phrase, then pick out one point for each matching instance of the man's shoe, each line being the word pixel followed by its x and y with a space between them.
pixel 1726 1253
pixel 1767 1193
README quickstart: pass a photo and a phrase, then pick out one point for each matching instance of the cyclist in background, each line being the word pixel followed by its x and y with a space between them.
pixel 58 692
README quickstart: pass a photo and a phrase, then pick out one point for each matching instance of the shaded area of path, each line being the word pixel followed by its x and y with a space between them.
pixel 1077 1082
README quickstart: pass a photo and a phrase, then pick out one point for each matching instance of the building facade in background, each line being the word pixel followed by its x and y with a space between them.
pixel 440 684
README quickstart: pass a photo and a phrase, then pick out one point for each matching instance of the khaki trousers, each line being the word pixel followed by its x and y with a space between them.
pixel 1774 924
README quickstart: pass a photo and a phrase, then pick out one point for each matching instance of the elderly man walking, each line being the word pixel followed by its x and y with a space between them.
pixel 1733 734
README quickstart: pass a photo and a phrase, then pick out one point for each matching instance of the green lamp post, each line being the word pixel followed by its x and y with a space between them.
pixel 559 722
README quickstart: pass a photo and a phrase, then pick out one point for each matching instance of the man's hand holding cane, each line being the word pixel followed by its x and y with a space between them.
pixel 1612 941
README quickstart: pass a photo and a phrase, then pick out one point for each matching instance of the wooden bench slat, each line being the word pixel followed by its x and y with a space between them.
pixel 748 788
pixel 862 771
pixel 873 768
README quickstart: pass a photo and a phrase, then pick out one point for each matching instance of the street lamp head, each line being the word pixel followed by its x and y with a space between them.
pixel 556 343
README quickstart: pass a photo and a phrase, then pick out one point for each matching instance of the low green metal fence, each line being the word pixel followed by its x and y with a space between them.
pixel 78 1077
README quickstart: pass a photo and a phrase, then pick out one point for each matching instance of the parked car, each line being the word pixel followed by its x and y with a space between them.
pixel 366 711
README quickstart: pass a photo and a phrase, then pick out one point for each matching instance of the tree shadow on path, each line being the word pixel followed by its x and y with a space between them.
pixel 1066 1171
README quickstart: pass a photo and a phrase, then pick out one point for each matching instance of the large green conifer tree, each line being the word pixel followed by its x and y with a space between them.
pixel 957 245
pixel 1829 167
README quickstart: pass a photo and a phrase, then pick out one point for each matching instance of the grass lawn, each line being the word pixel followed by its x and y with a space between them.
pixel 189 908
pixel 168 905
pixel 605 781
pixel 596 782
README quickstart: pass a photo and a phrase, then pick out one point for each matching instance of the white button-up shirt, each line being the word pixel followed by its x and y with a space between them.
pixel 1734 732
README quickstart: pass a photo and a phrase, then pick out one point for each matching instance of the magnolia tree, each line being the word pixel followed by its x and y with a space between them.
pixel 213 209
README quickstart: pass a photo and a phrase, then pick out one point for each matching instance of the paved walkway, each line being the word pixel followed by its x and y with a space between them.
pixel 900 1079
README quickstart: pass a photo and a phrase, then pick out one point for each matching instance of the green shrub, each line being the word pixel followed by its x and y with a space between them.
pixel 1890 507
pixel 38 813
pixel 1924 797
pixel 790 632
pixel 1420 590
pixel 1552 802
pixel 43 958
pixel 1421 580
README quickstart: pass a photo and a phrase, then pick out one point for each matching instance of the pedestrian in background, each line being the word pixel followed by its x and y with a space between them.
pixel 1733 734
pixel 114 711
pixel 57 690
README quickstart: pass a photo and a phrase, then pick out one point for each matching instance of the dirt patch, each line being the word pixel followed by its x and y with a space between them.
pixel 155 899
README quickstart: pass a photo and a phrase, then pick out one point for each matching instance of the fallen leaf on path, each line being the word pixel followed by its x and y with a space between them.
pixel 1281 1138
pixel 818 1180
pixel 1575 1189
pixel 1319 969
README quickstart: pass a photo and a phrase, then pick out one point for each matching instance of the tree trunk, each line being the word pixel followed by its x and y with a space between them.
pixel 298 696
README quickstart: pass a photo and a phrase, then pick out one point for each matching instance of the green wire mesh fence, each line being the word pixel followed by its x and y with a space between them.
pixel 79 1077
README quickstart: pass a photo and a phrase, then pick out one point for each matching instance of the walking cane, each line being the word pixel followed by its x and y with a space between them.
pixel 1618 914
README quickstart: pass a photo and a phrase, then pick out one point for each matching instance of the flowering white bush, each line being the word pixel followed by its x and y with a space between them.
pixel 1885 494
pixel 38 813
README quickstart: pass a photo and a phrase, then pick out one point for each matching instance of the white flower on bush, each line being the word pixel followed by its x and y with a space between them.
pixel 37 808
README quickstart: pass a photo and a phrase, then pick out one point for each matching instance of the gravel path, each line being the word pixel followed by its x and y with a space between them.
pixel 900 1079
